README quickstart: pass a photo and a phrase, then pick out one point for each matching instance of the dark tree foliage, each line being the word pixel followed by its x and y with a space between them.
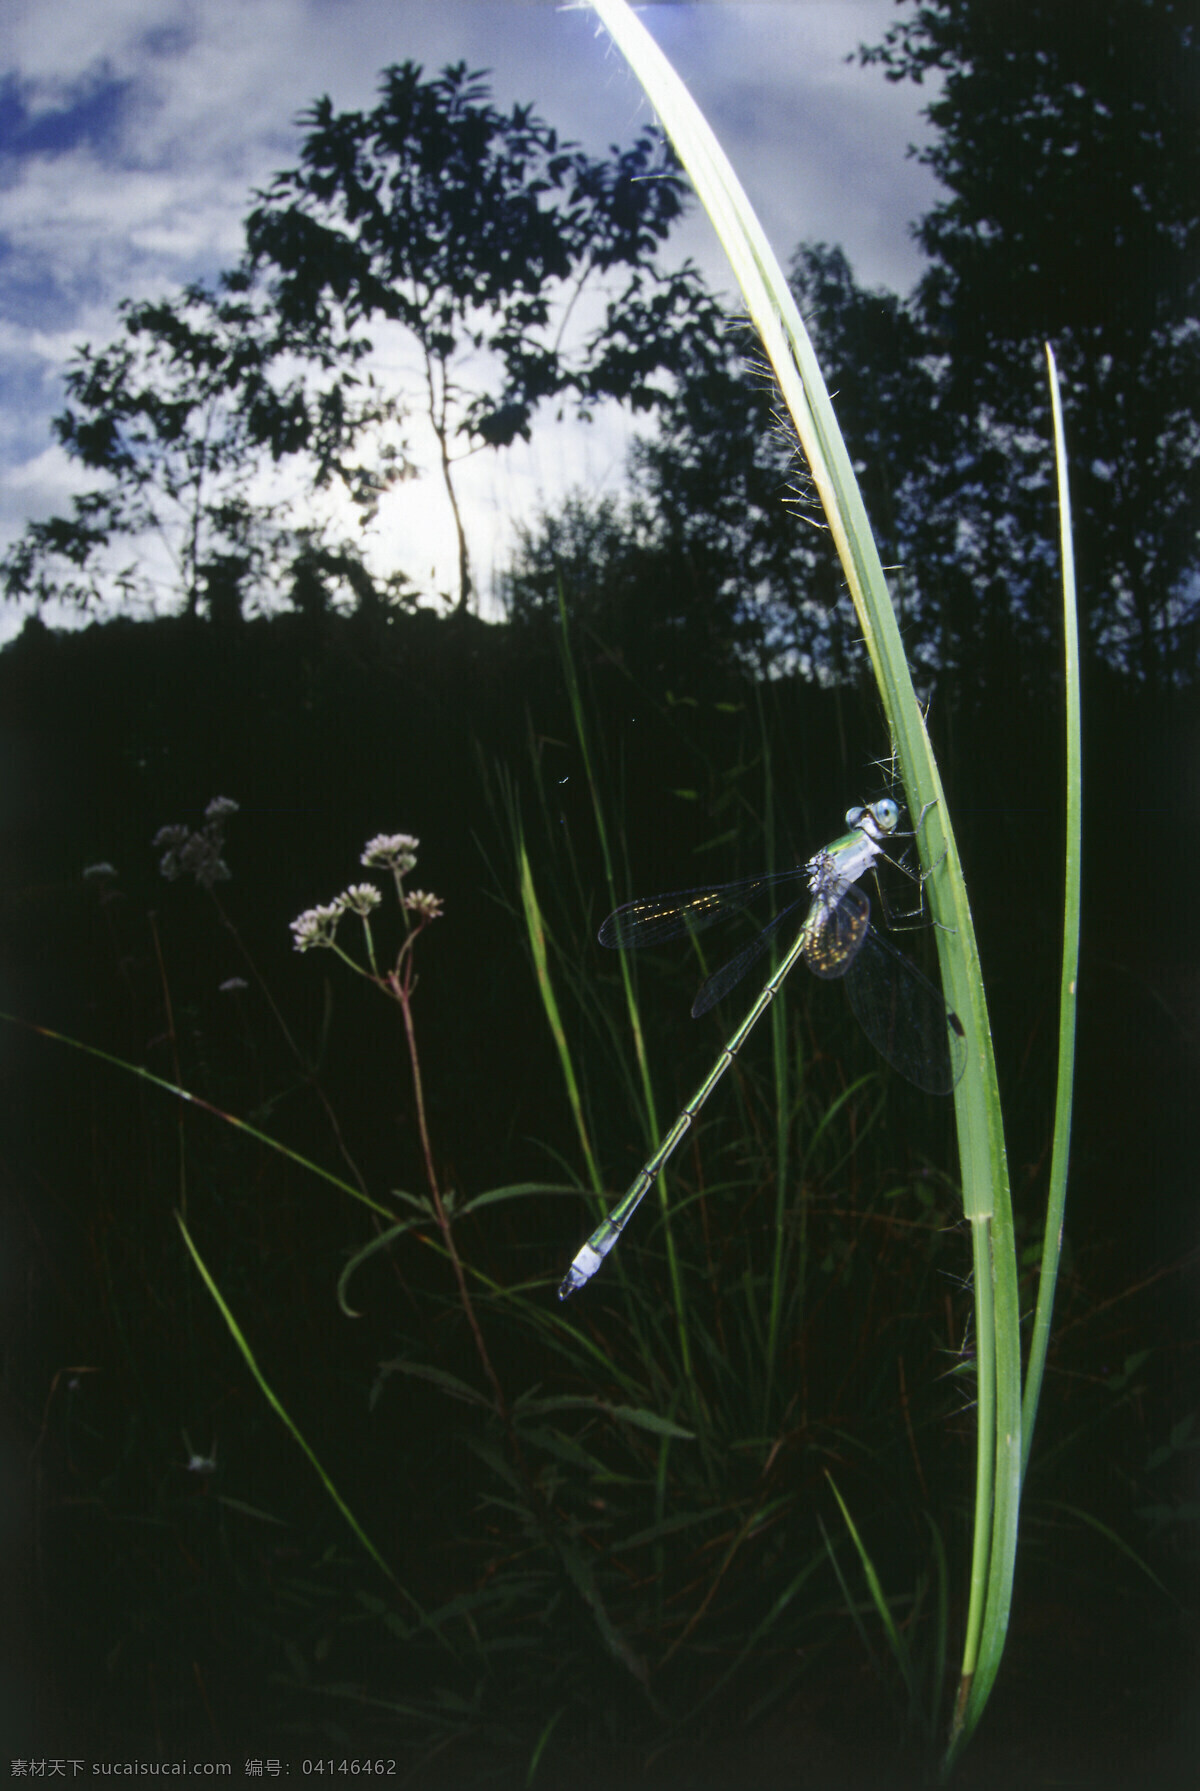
pixel 732 544
pixel 1069 146
pixel 1069 150
pixel 477 232
pixel 962 508
pixel 724 472
pixel 720 477
pixel 649 601
pixel 181 415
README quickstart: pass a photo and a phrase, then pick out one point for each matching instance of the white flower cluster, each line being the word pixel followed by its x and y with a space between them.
pixel 395 851
pixel 427 906
pixel 360 898
pixel 316 926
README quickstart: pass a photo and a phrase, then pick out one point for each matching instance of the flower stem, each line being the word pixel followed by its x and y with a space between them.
pixel 400 983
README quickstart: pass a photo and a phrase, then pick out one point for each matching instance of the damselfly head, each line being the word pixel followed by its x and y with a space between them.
pixel 876 819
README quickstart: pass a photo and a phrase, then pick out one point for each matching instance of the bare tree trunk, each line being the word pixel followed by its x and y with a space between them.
pixel 438 404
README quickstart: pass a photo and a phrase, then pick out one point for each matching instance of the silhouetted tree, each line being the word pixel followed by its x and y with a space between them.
pixel 722 476
pixel 477 232
pixel 182 415
pixel 1070 151
pixel 1069 145
pixel 730 545
pixel 959 501
pixel 649 601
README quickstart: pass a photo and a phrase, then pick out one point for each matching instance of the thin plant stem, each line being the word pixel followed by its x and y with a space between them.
pixel 639 1044
pixel 289 1423
pixel 535 927
pixel 400 983
pixel 306 1069
pixel 173 1041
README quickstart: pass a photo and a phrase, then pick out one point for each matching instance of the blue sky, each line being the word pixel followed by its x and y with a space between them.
pixel 132 133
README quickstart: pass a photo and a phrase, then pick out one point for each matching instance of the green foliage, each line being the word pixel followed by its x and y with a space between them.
pixel 703 1573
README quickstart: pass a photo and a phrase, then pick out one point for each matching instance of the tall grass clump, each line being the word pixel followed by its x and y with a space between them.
pixel 722 1365
pixel 1002 1424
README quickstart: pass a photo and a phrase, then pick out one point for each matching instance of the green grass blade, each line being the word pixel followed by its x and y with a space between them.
pixel 273 1401
pixel 575 697
pixel 980 1674
pixel 1067 1000
pixel 540 1748
pixel 761 1629
pixel 895 1640
pixel 849 1601
pixel 535 927
pixel 1119 1543
pixel 983 1554
pixel 193 1100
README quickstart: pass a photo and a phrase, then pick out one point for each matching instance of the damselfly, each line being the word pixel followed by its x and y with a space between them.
pixel 900 1011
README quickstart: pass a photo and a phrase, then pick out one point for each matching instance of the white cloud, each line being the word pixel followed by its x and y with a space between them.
pixel 49 471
